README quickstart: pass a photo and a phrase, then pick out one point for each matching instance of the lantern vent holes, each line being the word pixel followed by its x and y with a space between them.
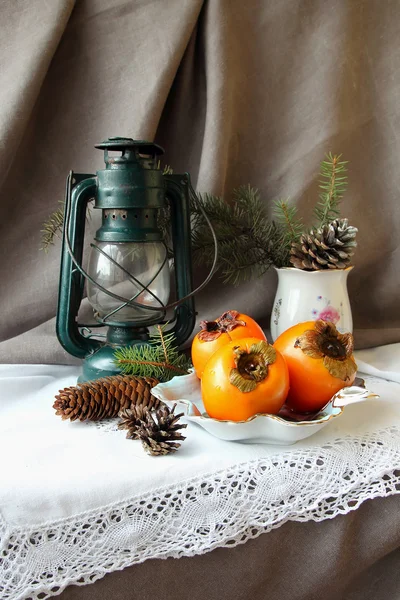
pixel 114 214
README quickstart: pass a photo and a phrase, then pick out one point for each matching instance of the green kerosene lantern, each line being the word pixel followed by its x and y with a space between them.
pixel 128 276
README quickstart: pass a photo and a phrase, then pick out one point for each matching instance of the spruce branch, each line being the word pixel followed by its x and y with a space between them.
pixel 290 228
pixel 286 216
pixel 246 237
pixel 159 358
pixel 166 169
pixel 152 363
pixel 333 184
pixel 52 228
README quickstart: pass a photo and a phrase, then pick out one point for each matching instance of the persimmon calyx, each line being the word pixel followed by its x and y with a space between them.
pixel 251 366
pixel 336 349
pixel 211 330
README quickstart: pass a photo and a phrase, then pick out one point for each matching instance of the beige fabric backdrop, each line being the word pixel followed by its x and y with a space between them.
pixel 237 92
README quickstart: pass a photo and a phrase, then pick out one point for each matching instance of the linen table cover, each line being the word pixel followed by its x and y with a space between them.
pixel 78 500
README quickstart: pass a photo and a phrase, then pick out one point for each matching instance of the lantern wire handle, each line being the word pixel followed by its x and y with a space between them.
pixel 131 301
pixel 213 268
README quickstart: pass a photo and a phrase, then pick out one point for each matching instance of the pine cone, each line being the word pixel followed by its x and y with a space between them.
pixel 330 247
pixel 157 429
pixel 105 397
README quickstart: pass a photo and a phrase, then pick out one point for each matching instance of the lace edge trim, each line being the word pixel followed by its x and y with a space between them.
pixel 358 495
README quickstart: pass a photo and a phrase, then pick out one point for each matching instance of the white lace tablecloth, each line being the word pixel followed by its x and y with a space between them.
pixel 79 500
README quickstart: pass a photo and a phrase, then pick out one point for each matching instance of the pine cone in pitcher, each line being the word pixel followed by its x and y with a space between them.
pixel 105 397
pixel 330 247
pixel 156 429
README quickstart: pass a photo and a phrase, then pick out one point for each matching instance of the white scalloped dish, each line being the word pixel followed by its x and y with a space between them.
pixel 279 429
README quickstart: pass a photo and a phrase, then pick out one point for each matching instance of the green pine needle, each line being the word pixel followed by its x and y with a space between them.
pixel 166 169
pixel 160 358
pixel 333 184
pixel 290 228
pixel 52 228
pixel 246 238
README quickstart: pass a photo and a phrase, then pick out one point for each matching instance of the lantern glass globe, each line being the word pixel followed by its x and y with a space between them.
pixel 145 261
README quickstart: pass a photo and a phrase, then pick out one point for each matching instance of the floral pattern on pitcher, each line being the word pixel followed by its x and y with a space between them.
pixel 277 311
pixel 328 312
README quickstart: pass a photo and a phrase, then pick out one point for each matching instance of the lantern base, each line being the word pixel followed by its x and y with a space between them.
pixel 101 363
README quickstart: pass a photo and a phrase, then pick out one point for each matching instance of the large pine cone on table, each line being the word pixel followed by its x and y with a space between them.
pixel 105 398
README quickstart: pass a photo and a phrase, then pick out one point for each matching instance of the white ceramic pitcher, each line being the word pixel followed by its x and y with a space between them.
pixel 311 295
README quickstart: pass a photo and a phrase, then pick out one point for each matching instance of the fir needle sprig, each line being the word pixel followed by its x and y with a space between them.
pixel 333 184
pixel 159 358
pixel 52 228
pixel 247 239
pixel 290 228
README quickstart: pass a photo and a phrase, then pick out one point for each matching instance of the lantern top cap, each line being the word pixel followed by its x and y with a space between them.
pixel 119 143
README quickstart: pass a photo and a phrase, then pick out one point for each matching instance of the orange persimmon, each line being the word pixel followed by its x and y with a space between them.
pixel 320 362
pixel 244 378
pixel 231 325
